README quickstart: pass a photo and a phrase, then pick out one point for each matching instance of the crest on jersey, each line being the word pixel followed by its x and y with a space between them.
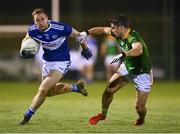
pixel 54 36
pixel 47 36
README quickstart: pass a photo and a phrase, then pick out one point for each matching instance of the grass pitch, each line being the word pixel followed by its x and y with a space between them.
pixel 69 113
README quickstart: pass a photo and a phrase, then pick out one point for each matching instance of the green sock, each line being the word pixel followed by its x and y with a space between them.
pixel 104 111
pixel 142 115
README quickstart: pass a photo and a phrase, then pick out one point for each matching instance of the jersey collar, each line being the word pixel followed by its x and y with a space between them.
pixel 48 27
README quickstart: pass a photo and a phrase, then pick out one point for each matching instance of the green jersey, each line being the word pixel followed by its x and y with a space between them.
pixel 139 64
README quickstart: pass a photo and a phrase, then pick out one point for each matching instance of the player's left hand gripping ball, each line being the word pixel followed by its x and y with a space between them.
pixel 86 53
pixel 25 54
pixel 29 48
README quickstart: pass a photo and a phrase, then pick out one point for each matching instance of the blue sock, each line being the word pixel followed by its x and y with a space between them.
pixel 74 88
pixel 29 112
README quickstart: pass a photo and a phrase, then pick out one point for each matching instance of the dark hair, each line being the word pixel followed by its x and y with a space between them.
pixel 38 10
pixel 120 20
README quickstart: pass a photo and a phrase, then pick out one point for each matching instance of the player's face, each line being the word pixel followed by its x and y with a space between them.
pixel 117 30
pixel 41 21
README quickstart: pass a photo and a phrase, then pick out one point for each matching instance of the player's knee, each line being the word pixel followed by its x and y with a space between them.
pixel 42 91
pixel 111 85
pixel 108 91
pixel 49 94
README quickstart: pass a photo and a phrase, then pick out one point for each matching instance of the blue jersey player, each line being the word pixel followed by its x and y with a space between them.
pixel 56 59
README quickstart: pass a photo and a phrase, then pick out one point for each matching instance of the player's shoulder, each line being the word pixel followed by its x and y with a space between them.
pixel 133 36
pixel 57 25
pixel 33 30
pixel 32 27
pixel 134 33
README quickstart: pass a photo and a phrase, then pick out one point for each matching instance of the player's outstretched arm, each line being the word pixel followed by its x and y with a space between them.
pixel 100 30
pixel 74 33
pixel 77 36
pixel 94 31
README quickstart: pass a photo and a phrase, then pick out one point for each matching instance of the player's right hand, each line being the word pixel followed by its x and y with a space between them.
pixel 86 53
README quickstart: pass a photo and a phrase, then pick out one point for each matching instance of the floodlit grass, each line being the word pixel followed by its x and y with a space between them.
pixel 70 112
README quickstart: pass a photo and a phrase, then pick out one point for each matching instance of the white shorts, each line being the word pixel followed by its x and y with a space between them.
pixel 75 60
pixel 142 82
pixel 61 66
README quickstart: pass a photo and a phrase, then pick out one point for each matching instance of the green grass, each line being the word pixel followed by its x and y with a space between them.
pixel 70 112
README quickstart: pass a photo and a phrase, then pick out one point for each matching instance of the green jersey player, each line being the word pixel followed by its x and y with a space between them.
pixel 135 66
pixel 138 64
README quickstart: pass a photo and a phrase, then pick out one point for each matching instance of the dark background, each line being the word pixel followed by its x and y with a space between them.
pixel 156 20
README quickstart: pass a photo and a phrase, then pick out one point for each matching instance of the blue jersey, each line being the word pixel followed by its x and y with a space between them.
pixel 53 40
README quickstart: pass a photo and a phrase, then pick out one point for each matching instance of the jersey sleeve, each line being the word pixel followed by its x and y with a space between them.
pixel 67 29
pixel 133 38
pixel 29 33
pixel 31 30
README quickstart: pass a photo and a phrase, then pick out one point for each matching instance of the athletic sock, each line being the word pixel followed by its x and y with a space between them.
pixel 142 115
pixel 74 88
pixel 29 112
pixel 104 111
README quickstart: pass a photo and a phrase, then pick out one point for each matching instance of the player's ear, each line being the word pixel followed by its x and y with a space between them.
pixel 46 16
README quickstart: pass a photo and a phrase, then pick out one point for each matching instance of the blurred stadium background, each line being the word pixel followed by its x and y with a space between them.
pixel 156 20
